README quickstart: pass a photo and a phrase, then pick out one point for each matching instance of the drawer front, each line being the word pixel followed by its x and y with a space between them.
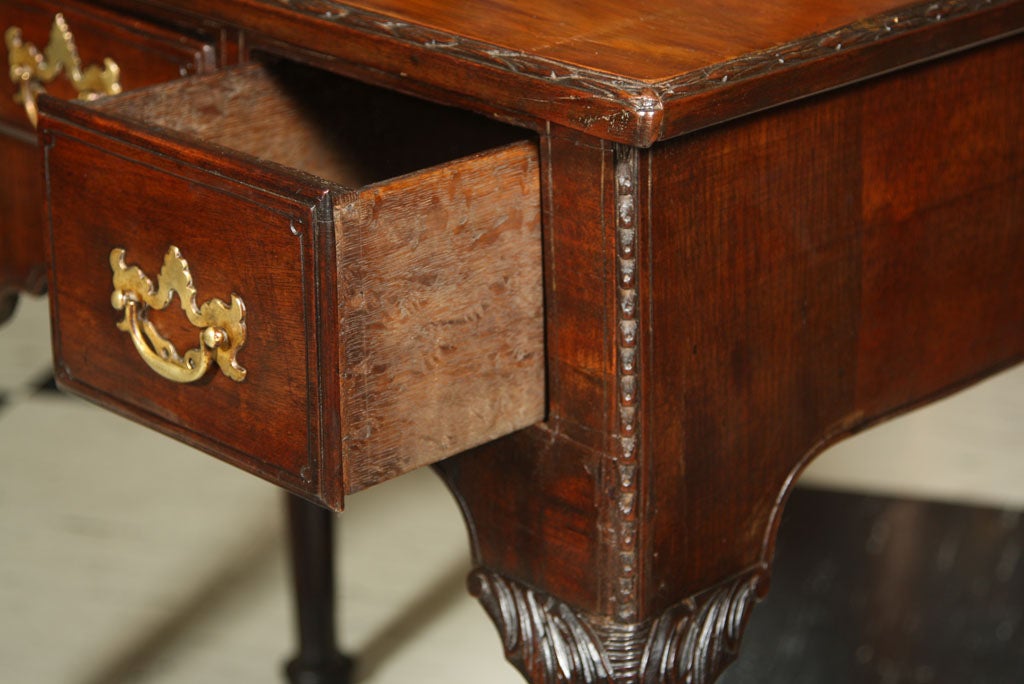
pixel 249 248
pixel 142 52
pixel 386 327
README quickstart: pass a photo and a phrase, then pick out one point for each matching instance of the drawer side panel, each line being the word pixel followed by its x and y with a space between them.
pixel 442 312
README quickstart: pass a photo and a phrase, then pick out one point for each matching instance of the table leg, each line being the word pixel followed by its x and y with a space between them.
pixel 8 302
pixel 548 549
pixel 312 560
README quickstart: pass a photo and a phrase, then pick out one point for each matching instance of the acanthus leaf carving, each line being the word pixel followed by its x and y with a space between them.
pixel 542 636
pixel 690 643
pixel 694 641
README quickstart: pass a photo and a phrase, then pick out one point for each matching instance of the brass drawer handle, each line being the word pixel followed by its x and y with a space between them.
pixel 222 326
pixel 31 70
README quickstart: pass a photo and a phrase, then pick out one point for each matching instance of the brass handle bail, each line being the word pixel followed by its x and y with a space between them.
pixel 31 70
pixel 222 326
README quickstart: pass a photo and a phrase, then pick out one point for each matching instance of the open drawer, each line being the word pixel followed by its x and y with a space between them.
pixel 324 283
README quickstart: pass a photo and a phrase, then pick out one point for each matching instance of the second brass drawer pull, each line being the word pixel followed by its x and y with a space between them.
pixel 31 70
pixel 222 326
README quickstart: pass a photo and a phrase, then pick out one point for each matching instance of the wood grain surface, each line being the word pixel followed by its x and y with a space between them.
pixel 845 258
pixel 212 218
pixel 442 312
pixel 653 71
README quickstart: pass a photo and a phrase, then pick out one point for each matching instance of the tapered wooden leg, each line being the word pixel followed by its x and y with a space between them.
pixel 8 303
pixel 312 559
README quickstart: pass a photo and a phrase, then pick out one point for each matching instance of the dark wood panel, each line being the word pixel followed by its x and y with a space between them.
pixel 22 244
pixel 753 263
pixel 579 224
pixel 816 268
pixel 530 501
pixel 936 303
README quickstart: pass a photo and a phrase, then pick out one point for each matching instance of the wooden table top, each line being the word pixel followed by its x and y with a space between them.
pixel 658 40
pixel 664 69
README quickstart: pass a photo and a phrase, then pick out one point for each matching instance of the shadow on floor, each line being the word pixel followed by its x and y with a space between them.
pixel 242 570
pixel 870 590
pixel 445 592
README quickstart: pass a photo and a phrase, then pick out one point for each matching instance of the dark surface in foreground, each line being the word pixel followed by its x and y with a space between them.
pixel 869 589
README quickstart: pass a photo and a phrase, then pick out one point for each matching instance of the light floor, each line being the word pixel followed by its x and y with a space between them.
pixel 125 557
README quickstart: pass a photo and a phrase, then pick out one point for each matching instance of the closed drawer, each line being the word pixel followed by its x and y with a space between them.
pixel 128 52
pixel 386 253
pixel 142 54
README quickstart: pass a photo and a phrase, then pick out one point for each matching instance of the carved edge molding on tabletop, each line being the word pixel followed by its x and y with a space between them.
pixel 595 82
pixel 646 97
pixel 817 46
pixel 31 69
pixel 691 643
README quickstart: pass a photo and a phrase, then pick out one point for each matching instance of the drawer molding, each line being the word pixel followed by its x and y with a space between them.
pixel 221 326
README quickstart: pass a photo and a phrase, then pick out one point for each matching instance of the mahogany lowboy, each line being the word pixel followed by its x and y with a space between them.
pixel 712 242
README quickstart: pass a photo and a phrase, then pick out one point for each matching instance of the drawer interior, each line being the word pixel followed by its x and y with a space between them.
pixel 340 130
